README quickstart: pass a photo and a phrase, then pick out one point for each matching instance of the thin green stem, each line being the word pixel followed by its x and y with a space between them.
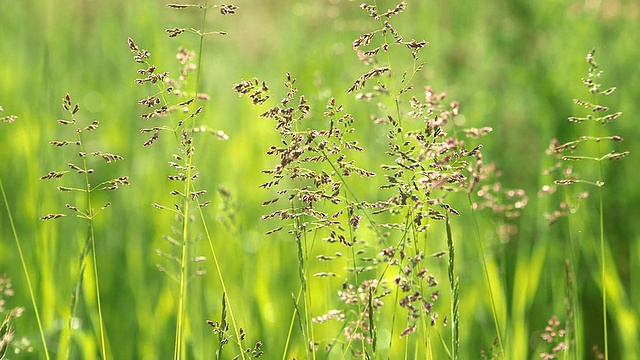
pixel 574 302
pixel 485 269
pixel 90 216
pixel 26 271
pixel 454 288
pixel 603 263
pixel 304 271
pixel 220 277
pixel 290 331
pixel 180 350
pixel 103 342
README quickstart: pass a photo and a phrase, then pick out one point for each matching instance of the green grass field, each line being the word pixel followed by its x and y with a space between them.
pixel 513 65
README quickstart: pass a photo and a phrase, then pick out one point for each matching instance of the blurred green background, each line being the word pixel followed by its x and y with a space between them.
pixel 513 65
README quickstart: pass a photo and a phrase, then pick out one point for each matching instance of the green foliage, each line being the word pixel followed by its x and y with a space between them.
pixel 365 165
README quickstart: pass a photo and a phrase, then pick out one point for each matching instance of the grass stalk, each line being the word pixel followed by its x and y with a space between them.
pixel 90 216
pixel 25 270
pixel 573 299
pixel 485 270
pixel 603 260
pixel 454 287
pixel 225 292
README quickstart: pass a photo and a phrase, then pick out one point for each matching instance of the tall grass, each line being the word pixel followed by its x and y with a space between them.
pixel 570 152
pixel 388 221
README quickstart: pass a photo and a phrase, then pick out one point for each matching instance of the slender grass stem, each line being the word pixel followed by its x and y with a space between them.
pixel 454 288
pixel 290 331
pixel 220 277
pixel 574 302
pixel 180 350
pixel 25 269
pixel 90 216
pixel 603 260
pixel 485 270
pixel 103 343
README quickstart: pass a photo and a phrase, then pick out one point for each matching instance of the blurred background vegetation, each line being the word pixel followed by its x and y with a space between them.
pixel 514 65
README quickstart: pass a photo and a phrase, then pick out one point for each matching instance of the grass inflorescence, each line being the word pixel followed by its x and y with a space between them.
pixel 178 100
pixel 84 207
pixel 588 149
pixel 427 163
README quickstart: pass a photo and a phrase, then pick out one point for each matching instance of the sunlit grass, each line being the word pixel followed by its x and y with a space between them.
pixel 514 67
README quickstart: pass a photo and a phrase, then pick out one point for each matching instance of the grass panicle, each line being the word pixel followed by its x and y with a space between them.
pixel 312 175
pixel 178 100
pixel 587 152
pixel 554 337
pixel 81 178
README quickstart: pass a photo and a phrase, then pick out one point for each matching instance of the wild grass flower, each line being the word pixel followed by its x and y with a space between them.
pixel 429 160
pixel 505 204
pixel 178 100
pixel 588 149
pixel 568 153
pixel 311 170
pixel 553 336
pixel 493 353
pixel 229 210
pixel 180 114
pixel 87 184
pixel 427 163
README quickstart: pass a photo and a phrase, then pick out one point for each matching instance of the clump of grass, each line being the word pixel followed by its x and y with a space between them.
pixel 85 208
pixel 585 150
pixel 313 175
pixel 430 160
pixel 177 100
pixel 311 170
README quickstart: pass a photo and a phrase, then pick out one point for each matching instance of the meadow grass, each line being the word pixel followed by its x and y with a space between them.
pixel 396 223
